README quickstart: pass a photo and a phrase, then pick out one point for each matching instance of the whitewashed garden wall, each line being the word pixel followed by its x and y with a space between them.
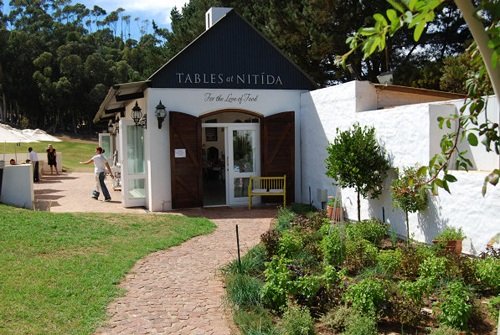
pixel 411 135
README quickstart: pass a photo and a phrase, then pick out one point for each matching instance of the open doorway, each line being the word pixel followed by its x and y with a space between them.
pixel 230 155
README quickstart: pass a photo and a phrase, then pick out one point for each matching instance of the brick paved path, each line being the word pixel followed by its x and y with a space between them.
pixel 179 291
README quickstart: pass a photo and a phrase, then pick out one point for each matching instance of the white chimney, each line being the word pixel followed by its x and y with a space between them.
pixel 214 14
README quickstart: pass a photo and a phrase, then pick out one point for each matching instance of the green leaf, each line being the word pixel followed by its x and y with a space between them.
pixel 450 178
pixel 380 18
pixel 472 139
pixel 435 189
pixel 422 171
pixel 411 4
pixel 448 123
pixel 392 15
pixel 396 5
pixel 368 31
pixel 419 30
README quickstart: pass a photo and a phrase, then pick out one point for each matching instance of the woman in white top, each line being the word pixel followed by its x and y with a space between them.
pixel 101 164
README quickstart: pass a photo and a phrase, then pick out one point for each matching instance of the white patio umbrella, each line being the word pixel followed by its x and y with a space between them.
pixel 39 135
pixel 11 135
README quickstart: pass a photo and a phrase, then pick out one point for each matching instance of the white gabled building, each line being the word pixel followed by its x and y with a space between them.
pixel 236 107
pixel 406 124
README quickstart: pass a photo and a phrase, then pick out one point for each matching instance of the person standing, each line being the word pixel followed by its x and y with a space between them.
pixel 100 166
pixel 33 157
pixel 52 158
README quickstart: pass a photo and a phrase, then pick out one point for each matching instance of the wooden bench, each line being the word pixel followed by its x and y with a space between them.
pixel 266 186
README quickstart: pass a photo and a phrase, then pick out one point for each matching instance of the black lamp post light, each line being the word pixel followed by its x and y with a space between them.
pixel 161 114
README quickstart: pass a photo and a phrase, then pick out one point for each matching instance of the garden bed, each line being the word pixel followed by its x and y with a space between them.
pixel 309 276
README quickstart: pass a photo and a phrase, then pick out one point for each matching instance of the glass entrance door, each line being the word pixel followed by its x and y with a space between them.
pixel 133 164
pixel 243 152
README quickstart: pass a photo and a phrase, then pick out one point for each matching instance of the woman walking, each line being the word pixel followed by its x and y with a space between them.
pixel 100 164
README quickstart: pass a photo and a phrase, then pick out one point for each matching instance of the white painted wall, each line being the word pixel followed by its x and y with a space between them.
pixel 410 135
pixel 198 102
pixel 17 186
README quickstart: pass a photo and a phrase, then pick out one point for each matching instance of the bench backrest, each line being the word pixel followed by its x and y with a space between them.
pixel 267 183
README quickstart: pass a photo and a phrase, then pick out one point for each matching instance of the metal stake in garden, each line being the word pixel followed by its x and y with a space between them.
pixel 238 247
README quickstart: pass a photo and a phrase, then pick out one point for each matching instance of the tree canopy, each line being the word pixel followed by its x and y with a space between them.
pixel 58 59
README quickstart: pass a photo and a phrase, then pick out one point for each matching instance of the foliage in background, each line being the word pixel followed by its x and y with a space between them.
pixel 59 271
pixel 483 19
pixel 355 159
pixel 59 61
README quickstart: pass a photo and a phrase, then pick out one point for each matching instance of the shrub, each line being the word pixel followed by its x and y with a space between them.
pixel 450 234
pixel 389 261
pixel 494 307
pixel 290 244
pixel 284 219
pixel 346 320
pixel 410 262
pixel 278 283
pixel 256 321
pixel 403 307
pixel 366 296
pixel 487 272
pixel 418 289
pixel 297 321
pixel 311 222
pixel 370 230
pixel 409 193
pixel 252 263
pixel 444 330
pixel 306 288
pixel 359 254
pixel 455 305
pixel 270 240
pixel 304 209
pixel 433 268
pixel 337 318
pixel 243 290
pixel 361 325
pixel 332 246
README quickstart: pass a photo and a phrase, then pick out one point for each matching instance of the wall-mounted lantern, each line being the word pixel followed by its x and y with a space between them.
pixel 138 117
pixel 161 114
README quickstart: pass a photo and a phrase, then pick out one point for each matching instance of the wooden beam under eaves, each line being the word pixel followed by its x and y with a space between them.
pixel 130 96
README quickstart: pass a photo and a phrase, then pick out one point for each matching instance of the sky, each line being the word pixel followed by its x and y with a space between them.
pixel 157 10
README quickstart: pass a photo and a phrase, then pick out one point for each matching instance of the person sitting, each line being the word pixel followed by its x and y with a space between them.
pixel 13 161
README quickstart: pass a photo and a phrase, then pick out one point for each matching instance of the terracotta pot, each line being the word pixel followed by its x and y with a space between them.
pixel 329 211
pixel 334 213
pixel 454 246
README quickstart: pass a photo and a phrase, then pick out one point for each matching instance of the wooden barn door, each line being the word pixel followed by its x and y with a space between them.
pixel 185 153
pixel 278 151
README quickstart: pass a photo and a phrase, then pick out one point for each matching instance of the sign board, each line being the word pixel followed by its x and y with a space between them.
pixel 180 153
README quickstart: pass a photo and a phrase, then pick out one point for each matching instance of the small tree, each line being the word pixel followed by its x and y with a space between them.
pixel 409 193
pixel 355 159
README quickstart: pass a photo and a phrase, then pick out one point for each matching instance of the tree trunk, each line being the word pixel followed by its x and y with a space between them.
pixel 481 37
pixel 407 228
pixel 359 207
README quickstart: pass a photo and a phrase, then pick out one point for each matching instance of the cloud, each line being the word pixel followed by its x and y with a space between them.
pixel 146 9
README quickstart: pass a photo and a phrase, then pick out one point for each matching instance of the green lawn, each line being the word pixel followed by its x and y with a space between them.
pixel 59 271
pixel 72 152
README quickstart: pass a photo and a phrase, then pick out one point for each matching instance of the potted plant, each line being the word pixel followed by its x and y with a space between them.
pixel 334 208
pixel 451 238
